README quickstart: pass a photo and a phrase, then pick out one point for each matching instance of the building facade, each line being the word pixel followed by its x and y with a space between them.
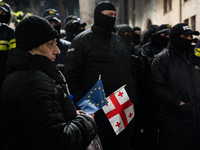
pixel 175 11
pixel 143 13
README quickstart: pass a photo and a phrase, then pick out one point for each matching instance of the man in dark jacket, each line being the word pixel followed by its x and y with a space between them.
pixel 149 107
pixel 159 41
pixel 37 112
pixel 95 52
pixel 7 38
pixel 176 82
pixel 7 41
pixel 136 35
pixel 53 17
pixel 126 33
pixel 82 25
pixel 72 26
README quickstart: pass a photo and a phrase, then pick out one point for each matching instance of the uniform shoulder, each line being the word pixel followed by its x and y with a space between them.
pixel 64 41
pixel 83 34
pixel 164 53
pixel 163 56
pixel 81 37
pixel 147 45
pixel 5 26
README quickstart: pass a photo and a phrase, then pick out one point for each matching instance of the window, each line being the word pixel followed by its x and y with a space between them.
pixel 167 5
pixel 186 21
pixel 193 23
pixel 170 4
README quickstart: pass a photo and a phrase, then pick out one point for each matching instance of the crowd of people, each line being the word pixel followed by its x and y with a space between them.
pixel 46 70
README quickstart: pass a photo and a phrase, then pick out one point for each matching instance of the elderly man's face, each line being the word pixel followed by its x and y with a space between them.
pixel 48 49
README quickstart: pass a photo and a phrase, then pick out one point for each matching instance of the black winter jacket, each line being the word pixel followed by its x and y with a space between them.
pixel 96 52
pixel 7 41
pixel 176 78
pixel 37 111
pixel 63 45
pixel 148 52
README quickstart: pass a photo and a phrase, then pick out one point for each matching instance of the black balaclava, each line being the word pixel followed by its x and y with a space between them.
pixel 136 37
pixel 102 20
pixel 73 28
pixel 5 18
pixel 128 39
pixel 182 44
pixel 162 40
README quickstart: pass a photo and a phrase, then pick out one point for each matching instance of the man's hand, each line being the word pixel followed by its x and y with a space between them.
pixel 181 103
pixel 91 115
pixel 78 112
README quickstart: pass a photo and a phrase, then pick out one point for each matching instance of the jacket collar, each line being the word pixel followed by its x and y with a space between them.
pixel 20 60
pixel 100 31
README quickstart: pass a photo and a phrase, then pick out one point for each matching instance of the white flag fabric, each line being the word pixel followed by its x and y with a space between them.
pixel 119 110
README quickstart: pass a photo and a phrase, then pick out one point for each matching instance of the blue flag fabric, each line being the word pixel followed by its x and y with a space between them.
pixel 94 100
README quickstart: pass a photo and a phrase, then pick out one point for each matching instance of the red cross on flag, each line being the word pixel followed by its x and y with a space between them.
pixel 119 110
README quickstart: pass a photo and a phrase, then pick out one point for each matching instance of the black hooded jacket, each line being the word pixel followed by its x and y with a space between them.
pixel 37 112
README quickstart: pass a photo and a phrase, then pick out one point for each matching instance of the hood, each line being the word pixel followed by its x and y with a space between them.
pixel 123 28
pixel 143 37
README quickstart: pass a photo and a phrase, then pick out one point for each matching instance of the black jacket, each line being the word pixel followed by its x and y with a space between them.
pixel 7 41
pixel 148 52
pixel 63 45
pixel 69 36
pixel 96 52
pixel 37 111
pixel 176 78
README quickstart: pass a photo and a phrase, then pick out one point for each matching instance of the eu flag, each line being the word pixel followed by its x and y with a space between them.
pixel 94 100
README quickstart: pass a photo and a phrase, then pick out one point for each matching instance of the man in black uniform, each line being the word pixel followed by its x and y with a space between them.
pixel 176 82
pixel 72 26
pixel 149 107
pixel 7 38
pixel 53 17
pixel 7 41
pixel 95 52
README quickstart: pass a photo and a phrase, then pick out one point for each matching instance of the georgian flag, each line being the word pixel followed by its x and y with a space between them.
pixel 119 110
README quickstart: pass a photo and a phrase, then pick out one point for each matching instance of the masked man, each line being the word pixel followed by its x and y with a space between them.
pixel 97 51
pixel 176 82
